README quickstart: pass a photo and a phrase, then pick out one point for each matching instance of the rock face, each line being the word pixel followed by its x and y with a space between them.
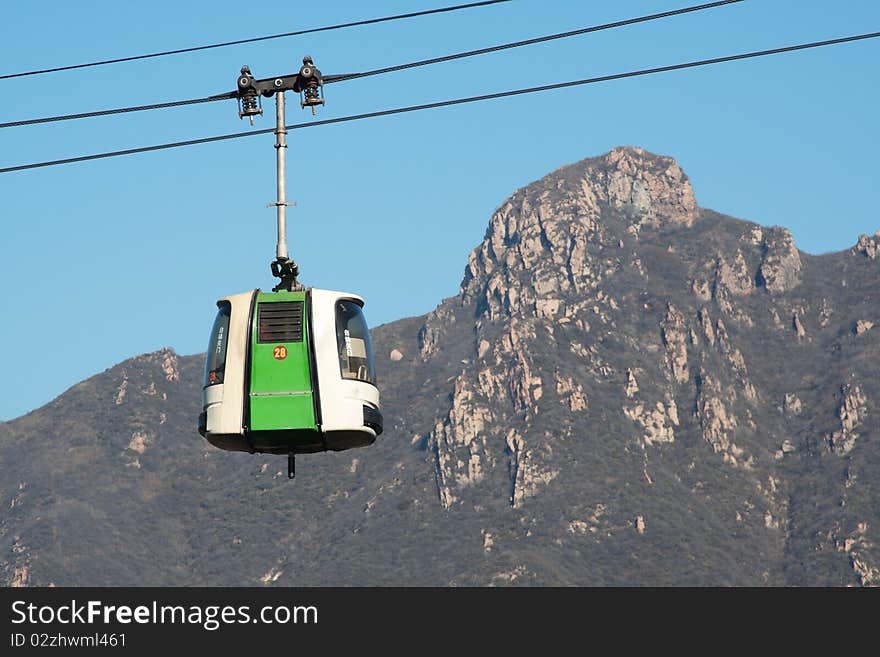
pixel 852 412
pixel 862 326
pixel 869 246
pixel 628 389
pixel 781 268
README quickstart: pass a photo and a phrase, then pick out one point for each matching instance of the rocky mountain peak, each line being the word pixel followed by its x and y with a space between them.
pixel 602 296
pixel 558 236
pixel 649 188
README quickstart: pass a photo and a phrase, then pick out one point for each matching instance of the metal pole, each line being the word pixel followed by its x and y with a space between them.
pixel 281 157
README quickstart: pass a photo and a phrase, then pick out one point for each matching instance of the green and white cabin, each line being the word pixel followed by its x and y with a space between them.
pixel 290 372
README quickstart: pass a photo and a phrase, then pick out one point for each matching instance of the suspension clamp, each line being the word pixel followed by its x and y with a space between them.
pixel 287 270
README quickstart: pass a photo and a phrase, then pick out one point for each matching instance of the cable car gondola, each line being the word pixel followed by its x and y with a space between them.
pixel 289 371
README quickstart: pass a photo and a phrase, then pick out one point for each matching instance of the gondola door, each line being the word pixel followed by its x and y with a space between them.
pixel 281 396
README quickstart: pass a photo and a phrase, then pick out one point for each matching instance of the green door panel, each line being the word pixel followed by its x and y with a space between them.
pixel 281 395
pixel 282 412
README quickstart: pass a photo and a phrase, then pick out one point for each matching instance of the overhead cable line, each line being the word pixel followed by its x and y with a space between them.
pixel 120 110
pixel 179 51
pixel 352 76
pixel 458 101
pixel 542 39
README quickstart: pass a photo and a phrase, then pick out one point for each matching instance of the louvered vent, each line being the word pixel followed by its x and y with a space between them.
pixel 280 322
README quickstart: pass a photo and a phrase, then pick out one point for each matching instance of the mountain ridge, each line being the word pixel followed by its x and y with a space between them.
pixel 628 389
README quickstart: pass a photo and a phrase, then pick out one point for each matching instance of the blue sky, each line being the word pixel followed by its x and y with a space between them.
pixel 106 260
